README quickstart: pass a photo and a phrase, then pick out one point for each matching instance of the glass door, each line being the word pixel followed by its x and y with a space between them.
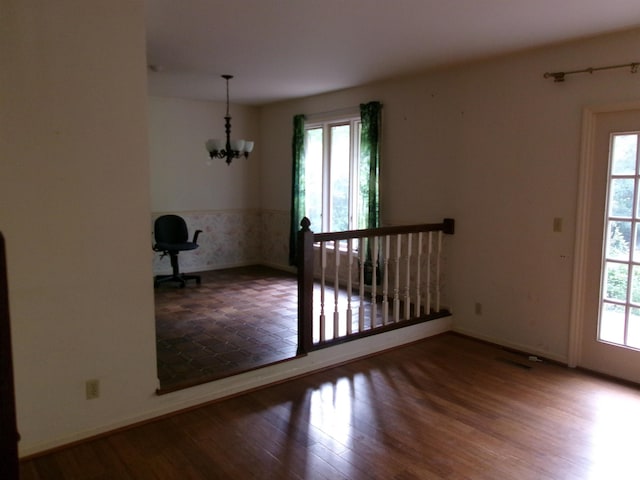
pixel 610 334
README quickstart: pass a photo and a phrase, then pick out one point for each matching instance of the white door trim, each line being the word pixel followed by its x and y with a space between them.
pixel 585 172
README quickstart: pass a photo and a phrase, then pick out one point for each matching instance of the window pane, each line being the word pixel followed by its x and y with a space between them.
pixel 633 332
pixel 623 155
pixel 340 154
pixel 620 302
pixel 621 197
pixel 635 284
pixel 636 244
pixel 618 240
pixel 616 281
pixel 332 197
pixel 313 178
pixel 612 323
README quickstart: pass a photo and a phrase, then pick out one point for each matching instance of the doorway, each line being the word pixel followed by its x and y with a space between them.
pixel 606 295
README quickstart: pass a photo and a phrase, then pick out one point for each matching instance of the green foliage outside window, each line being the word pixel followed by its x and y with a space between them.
pixel 618 247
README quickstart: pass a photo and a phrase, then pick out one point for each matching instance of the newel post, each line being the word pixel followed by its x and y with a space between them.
pixel 305 287
pixel 449 226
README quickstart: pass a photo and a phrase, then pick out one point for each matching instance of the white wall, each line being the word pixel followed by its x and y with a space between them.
pixel 219 199
pixel 184 178
pixel 520 153
pixel 74 208
pixel 496 146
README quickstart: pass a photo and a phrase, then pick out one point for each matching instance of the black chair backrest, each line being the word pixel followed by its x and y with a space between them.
pixel 171 229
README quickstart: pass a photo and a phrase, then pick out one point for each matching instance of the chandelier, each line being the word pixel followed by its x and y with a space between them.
pixel 227 148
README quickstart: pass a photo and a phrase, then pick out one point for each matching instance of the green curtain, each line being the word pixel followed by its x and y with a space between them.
pixel 370 118
pixel 297 186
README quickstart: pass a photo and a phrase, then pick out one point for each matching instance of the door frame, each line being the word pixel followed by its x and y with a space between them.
pixel 585 174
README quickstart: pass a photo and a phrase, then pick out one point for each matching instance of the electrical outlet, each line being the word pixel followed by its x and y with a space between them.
pixel 92 389
pixel 478 308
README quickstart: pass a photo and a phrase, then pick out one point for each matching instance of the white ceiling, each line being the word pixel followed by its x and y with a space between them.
pixel 280 49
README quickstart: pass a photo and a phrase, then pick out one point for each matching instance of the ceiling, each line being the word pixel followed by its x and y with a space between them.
pixel 282 49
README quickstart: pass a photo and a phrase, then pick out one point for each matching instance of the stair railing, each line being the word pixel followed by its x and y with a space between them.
pixel 358 283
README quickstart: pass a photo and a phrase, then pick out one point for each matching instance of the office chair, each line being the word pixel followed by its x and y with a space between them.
pixel 172 237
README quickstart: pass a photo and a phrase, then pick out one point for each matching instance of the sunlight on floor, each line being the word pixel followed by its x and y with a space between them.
pixel 615 436
pixel 331 408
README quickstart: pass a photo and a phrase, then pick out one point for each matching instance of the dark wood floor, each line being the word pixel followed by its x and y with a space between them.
pixel 447 407
pixel 238 319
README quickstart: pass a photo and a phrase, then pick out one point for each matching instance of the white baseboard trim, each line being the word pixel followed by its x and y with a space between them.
pixel 209 268
pixel 200 268
pixel 513 345
pixel 277 266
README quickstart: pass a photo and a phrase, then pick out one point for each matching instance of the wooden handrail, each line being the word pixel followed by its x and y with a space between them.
pixel 447 226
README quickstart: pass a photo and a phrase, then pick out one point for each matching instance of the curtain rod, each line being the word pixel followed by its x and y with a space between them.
pixel 559 76
pixel 340 111
pixel 352 110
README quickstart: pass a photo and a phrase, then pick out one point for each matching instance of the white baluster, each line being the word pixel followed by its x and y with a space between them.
pixel 323 268
pixel 349 285
pixel 407 296
pixel 385 282
pixel 396 287
pixel 418 275
pixel 336 289
pixel 361 249
pixel 428 289
pixel 440 235
pixel 374 282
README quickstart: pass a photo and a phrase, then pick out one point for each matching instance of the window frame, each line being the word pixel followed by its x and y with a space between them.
pixel 631 260
pixel 326 124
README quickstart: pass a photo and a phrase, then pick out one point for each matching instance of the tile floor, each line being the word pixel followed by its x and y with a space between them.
pixel 236 320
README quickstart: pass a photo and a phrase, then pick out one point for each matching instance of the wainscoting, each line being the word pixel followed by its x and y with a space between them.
pixel 231 238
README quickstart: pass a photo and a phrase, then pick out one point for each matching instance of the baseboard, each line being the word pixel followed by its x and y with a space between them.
pixel 277 266
pixel 201 269
pixel 520 347
pixel 209 268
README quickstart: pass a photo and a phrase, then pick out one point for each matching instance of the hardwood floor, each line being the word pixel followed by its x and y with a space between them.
pixel 447 407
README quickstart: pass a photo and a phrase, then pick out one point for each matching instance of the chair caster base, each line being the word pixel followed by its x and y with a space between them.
pixel 180 279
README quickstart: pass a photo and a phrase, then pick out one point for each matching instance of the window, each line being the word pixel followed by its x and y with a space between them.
pixel 620 297
pixel 332 175
pixel 335 174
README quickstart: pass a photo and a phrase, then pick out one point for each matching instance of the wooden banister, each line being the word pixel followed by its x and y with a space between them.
pixel 382 293
pixel 305 287
pixel 447 226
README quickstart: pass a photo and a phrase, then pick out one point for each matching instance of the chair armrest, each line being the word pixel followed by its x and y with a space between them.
pixel 195 236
